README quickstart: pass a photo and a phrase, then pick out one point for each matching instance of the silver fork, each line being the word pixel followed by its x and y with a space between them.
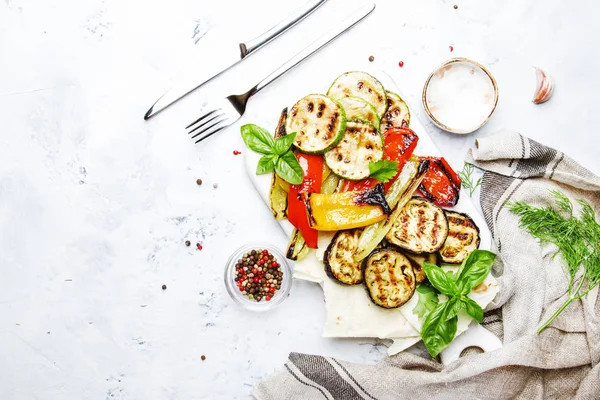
pixel 224 112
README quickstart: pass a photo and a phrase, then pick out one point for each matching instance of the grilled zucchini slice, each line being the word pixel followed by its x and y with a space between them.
pixel 360 84
pixel 418 260
pixel 389 278
pixel 319 123
pixel 339 258
pixel 361 144
pixel 463 238
pixel 397 114
pixel 421 227
pixel 357 108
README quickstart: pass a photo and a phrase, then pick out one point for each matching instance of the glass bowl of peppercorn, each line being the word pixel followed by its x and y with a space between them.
pixel 258 277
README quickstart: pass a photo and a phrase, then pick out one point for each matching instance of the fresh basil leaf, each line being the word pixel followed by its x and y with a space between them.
pixel 438 278
pixel 383 170
pixel 438 331
pixel 474 270
pixel 257 139
pixel 472 308
pixel 428 300
pixel 289 169
pixel 454 307
pixel 266 164
pixel 283 144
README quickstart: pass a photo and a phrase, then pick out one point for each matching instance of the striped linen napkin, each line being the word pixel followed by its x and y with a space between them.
pixel 562 362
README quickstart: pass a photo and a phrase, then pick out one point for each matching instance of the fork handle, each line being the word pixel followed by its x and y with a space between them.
pixel 254 44
pixel 337 30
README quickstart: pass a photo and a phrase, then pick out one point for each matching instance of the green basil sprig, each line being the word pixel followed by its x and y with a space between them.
pixel 276 153
pixel 439 327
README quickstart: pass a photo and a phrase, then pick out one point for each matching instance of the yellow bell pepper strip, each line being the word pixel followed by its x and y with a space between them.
pixel 348 210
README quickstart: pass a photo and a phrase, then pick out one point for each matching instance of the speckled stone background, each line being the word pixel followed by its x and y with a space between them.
pixel 96 203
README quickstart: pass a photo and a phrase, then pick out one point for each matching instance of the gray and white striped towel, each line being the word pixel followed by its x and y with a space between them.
pixel 562 362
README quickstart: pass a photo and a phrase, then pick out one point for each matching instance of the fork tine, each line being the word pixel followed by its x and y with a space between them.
pixel 202 117
pixel 212 133
pixel 208 128
pixel 204 123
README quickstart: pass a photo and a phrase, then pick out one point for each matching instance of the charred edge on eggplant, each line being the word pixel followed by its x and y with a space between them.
pixel 374 197
pixel 280 131
pixel 407 273
pixel 465 221
pixel 418 260
pixel 330 264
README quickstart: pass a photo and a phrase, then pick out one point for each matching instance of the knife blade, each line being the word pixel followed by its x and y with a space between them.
pixel 228 57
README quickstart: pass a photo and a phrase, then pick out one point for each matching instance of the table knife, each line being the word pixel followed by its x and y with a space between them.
pixel 228 57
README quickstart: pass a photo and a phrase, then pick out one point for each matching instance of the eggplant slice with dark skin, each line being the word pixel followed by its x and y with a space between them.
pixel 420 228
pixel 418 260
pixel 463 238
pixel 389 278
pixel 339 258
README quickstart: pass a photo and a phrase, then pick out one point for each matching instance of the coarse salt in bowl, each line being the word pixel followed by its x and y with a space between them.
pixel 460 95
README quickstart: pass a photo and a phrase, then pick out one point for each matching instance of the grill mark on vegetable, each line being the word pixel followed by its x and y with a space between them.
pixel 375 197
pixel 310 107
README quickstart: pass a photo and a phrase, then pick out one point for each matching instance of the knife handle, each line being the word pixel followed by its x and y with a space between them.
pixel 337 30
pixel 254 44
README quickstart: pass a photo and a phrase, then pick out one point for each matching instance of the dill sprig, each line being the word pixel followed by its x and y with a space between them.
pixel 577 239
pixel 466 176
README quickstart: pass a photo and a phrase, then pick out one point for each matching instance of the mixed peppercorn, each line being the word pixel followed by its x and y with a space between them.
pixel 258 275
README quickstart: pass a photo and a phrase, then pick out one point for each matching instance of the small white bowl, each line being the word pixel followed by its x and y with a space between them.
pixel 460 95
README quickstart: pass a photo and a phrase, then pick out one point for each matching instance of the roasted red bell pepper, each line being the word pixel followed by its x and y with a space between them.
pixel 312 166
pixel 399 145
pixel 440 184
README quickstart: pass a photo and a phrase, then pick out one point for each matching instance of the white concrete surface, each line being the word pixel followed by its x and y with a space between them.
pixel 96 203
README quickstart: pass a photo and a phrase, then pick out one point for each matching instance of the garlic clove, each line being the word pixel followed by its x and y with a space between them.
pixel 544 87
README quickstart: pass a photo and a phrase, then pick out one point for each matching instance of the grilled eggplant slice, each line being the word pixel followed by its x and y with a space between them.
pixel 357 108
pixel 421 227
pixel 339 258
pixel 463 238
pixel 319 123
pixel 360 84
pixel 397 114
pixel 361 144
pixel 389 278
pixel 418 260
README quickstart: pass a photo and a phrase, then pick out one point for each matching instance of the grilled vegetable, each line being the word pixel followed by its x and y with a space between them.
pixel 334 212
pixel 278 195
pixel 319 123
pixel 297 248
pixel 399 144
pixel 312 168
pixel 397 114
pixel 399 194
pixel 361 144
pixel 418 260
pixel 339 261
pixel 357 108
pixel 463 238
pixel 330 184
pixel 360 84
pixel 441 184
pixel 389 278
pixel 421 227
